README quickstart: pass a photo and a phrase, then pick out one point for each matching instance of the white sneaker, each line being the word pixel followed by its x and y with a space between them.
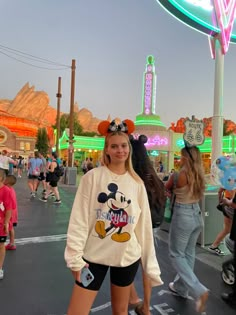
pixel 1 274
pixel 172 289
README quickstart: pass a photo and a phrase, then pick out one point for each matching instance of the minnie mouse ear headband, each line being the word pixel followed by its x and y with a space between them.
pixel 141 139
pixel 105 127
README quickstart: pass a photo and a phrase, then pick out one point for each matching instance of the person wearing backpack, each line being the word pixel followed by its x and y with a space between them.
pixel 157 200
pixel 34 168
pixel 53 178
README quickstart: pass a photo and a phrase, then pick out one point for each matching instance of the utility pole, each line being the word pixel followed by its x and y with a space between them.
pixel 58 95
pixel 72 97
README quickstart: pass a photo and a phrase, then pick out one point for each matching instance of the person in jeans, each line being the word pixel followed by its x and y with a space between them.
pixel 186 226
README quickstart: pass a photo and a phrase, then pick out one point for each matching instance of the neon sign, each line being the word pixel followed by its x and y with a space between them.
pixel 211 17
pixel 156 141
pixel 225 11
pixel 148 93
pixel 205 4
pixel 149 88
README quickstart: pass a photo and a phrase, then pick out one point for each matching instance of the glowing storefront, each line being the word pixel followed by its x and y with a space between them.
pixel 163 145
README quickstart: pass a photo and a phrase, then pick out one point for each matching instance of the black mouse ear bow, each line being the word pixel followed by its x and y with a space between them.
pixel 131 138
pixel 143 139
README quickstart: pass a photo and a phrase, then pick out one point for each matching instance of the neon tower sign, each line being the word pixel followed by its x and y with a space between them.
pixel 149 87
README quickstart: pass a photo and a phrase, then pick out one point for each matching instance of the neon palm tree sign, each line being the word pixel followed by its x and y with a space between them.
pixel 211 17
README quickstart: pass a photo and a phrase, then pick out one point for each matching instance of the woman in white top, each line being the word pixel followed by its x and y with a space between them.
pixel 5 160
pixel 110 226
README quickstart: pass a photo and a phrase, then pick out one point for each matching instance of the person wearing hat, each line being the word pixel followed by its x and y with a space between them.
pixel 5 160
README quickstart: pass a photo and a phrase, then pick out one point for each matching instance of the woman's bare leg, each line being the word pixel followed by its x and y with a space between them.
pixel 223 233
pixel 147 291
pixel 133 298
pixel 119 299
pixel 81 301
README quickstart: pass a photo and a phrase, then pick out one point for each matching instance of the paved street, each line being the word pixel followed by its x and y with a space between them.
pixel 37 281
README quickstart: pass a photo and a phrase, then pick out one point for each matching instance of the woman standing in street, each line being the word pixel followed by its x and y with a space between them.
pixel 157 199
pixel 110 226
pixel 186 226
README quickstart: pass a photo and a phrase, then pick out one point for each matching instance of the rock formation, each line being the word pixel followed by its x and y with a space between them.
pixel 29 104
pixel 34 106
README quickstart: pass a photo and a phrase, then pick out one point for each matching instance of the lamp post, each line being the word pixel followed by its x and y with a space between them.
pixel 58 95
pixel 71 134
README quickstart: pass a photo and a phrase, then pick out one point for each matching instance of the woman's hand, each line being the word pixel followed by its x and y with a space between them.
pixel 76 274
pixel 6 228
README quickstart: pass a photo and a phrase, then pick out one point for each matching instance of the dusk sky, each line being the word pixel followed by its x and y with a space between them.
pixel 110 41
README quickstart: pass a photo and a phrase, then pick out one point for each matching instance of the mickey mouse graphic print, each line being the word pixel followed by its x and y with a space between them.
pixel 108 223
pixel 116 215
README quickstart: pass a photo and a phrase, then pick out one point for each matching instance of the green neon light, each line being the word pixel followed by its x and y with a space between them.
pixel 150 60
pixel 195 16
pixel 228 144
pixel 149 123
pixel 149 120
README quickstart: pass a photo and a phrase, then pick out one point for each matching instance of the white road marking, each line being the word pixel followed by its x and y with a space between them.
pixel 161 310
pixel 62 237
pixel 101 307
pixel 40 239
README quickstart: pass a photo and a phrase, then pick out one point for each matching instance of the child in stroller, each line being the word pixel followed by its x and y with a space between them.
pixel 227 273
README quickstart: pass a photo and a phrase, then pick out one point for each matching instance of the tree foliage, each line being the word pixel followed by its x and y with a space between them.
pixel 42 142
pixel 65 123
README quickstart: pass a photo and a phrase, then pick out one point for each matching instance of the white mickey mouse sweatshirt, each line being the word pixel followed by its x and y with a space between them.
pixel 110 224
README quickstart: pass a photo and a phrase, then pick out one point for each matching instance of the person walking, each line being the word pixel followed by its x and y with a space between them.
pixel 230 298
pixel 157 199
pixel 110 226
pixel 35 166
pixel 52 179
pixel 6 207
pixel 227 212
pixel 20 166
pixel 186 226
pixel 5 160
pixel 10 181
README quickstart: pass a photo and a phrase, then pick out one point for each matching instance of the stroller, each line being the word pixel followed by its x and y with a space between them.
pixel 227 272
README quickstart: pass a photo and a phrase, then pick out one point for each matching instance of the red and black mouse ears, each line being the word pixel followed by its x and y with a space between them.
pixel 105 127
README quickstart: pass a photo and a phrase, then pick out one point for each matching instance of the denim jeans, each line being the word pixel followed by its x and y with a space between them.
pixel 185 228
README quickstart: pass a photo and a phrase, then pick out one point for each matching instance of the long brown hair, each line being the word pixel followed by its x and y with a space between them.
pixel 128 163
pixel 194 170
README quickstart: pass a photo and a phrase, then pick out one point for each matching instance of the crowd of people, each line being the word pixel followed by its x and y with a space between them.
pixel 112 207
pixel 117 211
